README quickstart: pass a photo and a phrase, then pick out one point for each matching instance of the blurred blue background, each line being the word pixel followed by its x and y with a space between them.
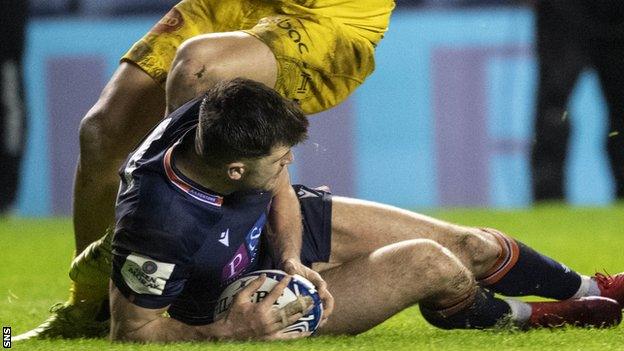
pixel 446 120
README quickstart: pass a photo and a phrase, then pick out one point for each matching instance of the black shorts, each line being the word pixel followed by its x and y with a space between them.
pixel 316 211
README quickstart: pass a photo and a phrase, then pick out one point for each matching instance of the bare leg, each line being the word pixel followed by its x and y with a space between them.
pixel 499 262
pixel 130 104
pixel 359 227
pixel 391 279
pixel 207 59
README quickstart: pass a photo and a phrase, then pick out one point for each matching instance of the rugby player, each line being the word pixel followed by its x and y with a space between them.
pixel 197 191
pixel 313 51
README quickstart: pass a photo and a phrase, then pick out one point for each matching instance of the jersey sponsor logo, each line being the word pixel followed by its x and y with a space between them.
pixel 172 21
pixel 246 253
pixel 225 238
pixel 294 34
pixel 145 275
pixel 237 264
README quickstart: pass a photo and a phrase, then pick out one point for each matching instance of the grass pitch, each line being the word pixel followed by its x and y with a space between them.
pixel 36 253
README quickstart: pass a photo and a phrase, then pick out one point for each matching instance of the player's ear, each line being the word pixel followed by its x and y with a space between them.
pixel 235 170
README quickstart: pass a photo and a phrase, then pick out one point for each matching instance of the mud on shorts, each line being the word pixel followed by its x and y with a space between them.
pixel 324 48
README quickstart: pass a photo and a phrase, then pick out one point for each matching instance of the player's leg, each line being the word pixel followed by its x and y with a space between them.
pixel 360 227
pixel 498 261
pixel 400 275
pixel 207 59
pixel 561 59
pixel 393 278
pixel 130 104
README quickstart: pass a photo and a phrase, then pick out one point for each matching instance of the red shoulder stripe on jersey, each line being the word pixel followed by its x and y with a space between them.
pixel 195 193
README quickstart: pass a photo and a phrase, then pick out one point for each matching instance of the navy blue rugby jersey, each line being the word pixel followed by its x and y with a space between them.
pixel 177 243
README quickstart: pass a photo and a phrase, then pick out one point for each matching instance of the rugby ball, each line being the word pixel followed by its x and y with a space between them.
pixel 298 286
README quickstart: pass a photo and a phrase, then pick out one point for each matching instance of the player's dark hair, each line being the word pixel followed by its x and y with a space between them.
pixel 241 118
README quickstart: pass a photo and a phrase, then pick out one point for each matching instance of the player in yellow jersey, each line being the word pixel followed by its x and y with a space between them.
pixel 313 51
pixel 322 49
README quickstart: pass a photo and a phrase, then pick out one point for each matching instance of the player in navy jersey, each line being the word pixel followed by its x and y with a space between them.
pixel 199 188
pixel 195 198
pixel 178 242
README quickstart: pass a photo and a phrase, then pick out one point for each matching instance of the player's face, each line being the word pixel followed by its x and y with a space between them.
pixel 265 171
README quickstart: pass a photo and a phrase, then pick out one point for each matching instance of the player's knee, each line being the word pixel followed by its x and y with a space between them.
pixel 193 49
pixel 192 57
pixel 426 260
pixel 448 280
pixel 97 141
pixel 201 59
pixel 481 248
pixel 195 68
pixel 90 132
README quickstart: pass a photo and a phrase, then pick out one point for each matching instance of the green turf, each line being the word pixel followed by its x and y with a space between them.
pixel 35 255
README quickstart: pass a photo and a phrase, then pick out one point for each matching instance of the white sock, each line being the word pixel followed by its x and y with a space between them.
pixel 589 287
pixel 520 311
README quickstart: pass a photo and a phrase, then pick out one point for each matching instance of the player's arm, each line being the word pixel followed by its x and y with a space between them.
pixel 243 321
pixel 130 322
pixel 285 237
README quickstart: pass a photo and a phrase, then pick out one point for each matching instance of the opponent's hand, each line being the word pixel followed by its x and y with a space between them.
pixel 292 266
pixel 262 320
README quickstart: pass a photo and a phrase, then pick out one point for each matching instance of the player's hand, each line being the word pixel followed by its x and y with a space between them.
pixel 292 266
pixel 247 320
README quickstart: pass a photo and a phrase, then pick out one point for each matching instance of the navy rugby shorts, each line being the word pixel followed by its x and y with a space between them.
pixel 316 211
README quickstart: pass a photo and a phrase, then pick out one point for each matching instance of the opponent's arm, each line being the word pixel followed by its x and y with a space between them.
pixel 243 321
pixel 285 238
